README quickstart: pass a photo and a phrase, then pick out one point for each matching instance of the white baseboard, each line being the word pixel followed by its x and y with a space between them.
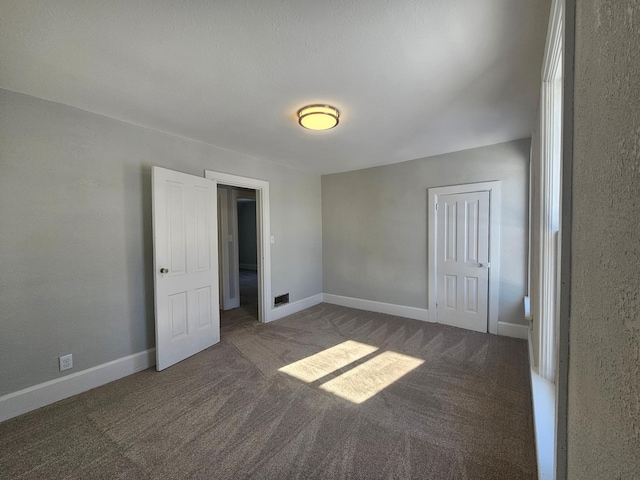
pixel 380 307
pixel 504 328
pixel 295 307
pixel 23 401
pixel 513 330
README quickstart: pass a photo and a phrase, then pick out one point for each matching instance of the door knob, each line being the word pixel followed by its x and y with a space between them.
pixel 164 270
pixel 483 265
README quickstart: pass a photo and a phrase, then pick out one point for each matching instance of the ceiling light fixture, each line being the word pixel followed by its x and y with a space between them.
pixel 318 117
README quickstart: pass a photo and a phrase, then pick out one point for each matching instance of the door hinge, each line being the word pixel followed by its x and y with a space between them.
pixel 436 206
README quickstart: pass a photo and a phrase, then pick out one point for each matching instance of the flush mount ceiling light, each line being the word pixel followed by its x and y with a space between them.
pixel 318 117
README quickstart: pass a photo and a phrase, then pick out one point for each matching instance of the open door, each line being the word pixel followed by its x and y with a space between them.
pixel 185 261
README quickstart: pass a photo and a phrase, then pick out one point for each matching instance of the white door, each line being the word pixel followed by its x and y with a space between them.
pixel 463 260
pixel 185 259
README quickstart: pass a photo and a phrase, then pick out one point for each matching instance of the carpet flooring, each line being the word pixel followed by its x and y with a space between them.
pixel 328 393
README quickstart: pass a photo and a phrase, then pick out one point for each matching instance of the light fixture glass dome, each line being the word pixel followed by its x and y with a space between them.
pixel 318 117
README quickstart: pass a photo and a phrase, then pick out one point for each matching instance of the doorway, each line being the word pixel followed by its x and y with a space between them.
pixel 464 255
pixel 257 190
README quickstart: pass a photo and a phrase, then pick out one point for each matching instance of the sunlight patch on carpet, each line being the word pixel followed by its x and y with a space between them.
pixel 328 361
pixel 364 381
pixel 361 382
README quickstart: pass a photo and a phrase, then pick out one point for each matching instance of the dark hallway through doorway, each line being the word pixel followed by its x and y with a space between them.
pixel 247 312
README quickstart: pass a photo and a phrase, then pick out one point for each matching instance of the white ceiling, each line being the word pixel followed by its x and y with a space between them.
pixel 411 78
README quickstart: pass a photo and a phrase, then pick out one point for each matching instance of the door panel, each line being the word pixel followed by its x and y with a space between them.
pixel 471 250
pixel 178 314
pixel 185 265
pixel 451 232
pixel 471 294
pixel 462 260
pixel 175 228
pixel 451 291
pixel 204 306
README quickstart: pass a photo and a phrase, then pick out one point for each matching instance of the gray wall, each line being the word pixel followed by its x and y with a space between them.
pixel 604 335
pixel 75 233
pixel 374 225
pixel 247 244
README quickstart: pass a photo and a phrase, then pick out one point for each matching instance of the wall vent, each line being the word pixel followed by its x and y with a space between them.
pixel 281 300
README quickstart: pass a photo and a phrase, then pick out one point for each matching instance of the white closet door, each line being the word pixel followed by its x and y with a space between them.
pixel 463 260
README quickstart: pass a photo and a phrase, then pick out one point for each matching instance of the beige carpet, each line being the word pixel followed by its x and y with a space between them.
pixel 328 393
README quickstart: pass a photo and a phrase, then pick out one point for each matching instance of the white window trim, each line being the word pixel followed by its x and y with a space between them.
pixel 546 244
pixel 549 234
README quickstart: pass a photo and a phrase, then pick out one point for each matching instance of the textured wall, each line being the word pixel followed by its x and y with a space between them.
pixel 374 225
pixel 75 233
pixel 604 346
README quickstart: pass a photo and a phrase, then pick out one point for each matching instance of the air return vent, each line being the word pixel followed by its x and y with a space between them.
pixel 281 300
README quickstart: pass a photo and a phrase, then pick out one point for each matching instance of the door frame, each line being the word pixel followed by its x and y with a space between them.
pixel 493 187
pixel 264 233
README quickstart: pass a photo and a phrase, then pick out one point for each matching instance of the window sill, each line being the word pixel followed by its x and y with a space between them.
pixel 544 419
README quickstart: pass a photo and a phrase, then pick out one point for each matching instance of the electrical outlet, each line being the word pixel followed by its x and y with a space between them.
pixel 66 362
